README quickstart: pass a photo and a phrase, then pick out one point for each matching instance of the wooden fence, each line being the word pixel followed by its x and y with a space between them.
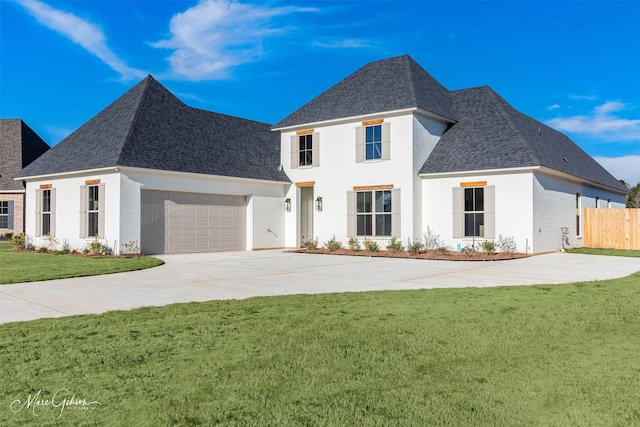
pixel 612 228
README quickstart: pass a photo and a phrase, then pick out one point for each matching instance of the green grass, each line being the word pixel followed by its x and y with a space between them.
pixel 18 267
pixel 610 252
pixel 558 355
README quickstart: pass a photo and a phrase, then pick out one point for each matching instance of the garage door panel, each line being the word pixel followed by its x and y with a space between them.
pixel 174 222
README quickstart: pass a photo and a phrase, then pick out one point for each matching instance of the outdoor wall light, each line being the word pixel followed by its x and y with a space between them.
pixel 319 204
pixel 287 205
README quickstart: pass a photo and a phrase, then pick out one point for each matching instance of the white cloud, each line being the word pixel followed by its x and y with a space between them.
pixel 601 123
pixel 82 33
pixel 215 35
pixel 344 44
pixel 625 167
pixel 585 97
pixel 553 107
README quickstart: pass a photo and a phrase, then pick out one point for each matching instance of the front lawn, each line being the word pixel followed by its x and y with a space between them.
pixel 25 266
pixel 553 355
pixel 610 252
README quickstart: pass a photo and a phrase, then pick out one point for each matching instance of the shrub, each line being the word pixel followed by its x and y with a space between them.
pixel 488 247
pixel 506 244
pixel 415 247
pixel 51 244
pixel 371 245
pixel 6 236
pixel 354 244
pixel 432 240
pixel 333 244
pixel 395 245
pixel 97 247
pixel 130 248
pixel 468 250
pixel 310 244
pixel 19 241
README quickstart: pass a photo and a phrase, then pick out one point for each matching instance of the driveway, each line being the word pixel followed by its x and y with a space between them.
pixel 236 275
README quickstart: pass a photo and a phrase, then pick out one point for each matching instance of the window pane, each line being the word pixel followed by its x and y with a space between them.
pixel 363 202
pixel 468 199
pixel 363 225
pixel 479 225
pixel 4 209
pixel 383 201
pixel 93 198
pixel 46 200
pixel 383 225
pixel 93 224
pixel 369 135
pixel 479 199
pixel 468 225
pixel 4 221
pixel 46 224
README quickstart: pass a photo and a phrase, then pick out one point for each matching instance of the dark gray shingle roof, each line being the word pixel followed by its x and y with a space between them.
pixel 491 134
pixel 387 85
pixel 19 146
pixel 148 127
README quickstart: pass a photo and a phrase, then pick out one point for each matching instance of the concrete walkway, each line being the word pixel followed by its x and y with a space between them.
pixel 236 275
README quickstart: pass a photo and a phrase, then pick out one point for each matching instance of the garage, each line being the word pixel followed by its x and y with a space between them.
pixel 179 222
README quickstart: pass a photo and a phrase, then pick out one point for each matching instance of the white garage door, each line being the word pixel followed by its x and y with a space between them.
pixel 177 222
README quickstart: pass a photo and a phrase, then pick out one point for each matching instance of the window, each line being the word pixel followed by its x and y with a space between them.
pixel 46 213
pixel 92 202
pixel 578 213
pixel 373 141
pixel 474 211
pixel 4 214
pixel 374 213
pixel 305 149
pixel 93 210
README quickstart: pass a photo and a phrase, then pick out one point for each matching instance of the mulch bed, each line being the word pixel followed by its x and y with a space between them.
pixel 436 255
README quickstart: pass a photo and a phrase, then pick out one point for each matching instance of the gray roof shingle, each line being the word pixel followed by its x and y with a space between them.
pixel 386 85
pixel 148 127
pixel 491 134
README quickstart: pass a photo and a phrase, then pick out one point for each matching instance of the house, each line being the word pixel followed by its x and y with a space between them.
pixel 150 171
pixel 388 151
pixel 19 146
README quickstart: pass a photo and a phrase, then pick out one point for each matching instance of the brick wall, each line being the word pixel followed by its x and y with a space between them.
pixel 18 212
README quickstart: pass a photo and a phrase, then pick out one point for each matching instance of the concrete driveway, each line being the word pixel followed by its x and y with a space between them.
pixel 236 275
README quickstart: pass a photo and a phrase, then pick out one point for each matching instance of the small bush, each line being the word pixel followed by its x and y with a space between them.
pixel 6 236
pixel 43 249
pixel 506 244
pixel 130 248
pixel 97 247
pixel 443 249
pixel 488 247
pixel 333 244
pixel 431 240
pixel 19 241
pixel 415 247
pixel 395 245
pixel 371 245
pixel 468 250
pixel 310 244
pixel 354 244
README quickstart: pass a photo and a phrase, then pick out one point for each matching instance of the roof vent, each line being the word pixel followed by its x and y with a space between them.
pixel 565 159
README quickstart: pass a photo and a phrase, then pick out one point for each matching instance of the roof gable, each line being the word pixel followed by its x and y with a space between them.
pixel 148 127
pixel 388 85
pixel 491 134
pixel 19 146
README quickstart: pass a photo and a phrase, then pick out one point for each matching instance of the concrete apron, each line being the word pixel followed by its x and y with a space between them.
pixel 237 275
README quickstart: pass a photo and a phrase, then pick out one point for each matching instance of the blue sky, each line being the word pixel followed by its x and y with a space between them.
pixel 574 65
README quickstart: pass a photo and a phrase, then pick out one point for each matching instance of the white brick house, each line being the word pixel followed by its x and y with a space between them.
pixel 387 151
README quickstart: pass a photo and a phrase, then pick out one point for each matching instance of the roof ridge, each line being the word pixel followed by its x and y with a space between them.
pixel 145 91
pixel 411 75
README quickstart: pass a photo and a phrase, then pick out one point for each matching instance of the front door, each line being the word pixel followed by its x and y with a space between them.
pixel 306 214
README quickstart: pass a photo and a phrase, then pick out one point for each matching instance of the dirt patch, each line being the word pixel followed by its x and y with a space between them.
pixel 437 255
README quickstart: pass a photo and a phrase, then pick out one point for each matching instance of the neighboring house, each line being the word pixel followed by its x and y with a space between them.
pixel 387 151
pixel 151 170
pixel 19 146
